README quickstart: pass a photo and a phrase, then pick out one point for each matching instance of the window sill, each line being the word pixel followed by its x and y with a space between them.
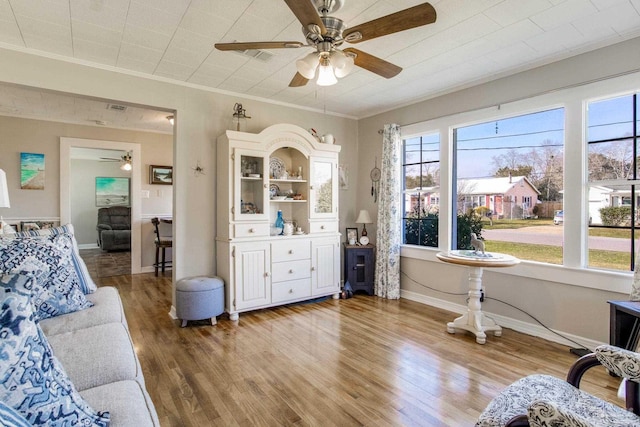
pixel 604 280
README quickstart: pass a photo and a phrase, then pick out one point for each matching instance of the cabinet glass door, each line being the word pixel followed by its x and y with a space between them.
pixel 323 188
pixel 250 190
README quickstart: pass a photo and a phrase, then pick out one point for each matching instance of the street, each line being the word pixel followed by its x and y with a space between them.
pixel 552 235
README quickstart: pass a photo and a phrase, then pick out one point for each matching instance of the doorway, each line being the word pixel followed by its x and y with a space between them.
pixel 66 208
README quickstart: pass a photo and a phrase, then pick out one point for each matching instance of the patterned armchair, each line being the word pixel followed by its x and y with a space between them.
pixel 543 400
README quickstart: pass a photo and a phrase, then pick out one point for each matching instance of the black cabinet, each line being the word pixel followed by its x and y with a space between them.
pixel 359 266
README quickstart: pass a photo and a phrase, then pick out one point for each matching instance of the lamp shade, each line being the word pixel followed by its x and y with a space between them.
pixel 364 217
pixel 4 191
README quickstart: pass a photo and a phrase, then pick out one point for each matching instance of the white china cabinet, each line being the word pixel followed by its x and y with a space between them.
pixel 283 168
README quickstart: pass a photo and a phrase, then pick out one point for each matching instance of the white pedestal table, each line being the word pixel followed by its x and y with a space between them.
pixel 474 320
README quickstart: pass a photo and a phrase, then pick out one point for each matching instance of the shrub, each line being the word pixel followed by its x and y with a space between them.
pixel 615 215
pixel 423 229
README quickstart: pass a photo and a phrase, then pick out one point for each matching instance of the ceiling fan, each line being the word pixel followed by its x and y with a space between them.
pixel 326 34
pixel 125 160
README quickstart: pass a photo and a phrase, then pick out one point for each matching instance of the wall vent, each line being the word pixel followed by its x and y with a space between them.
pixel 116 107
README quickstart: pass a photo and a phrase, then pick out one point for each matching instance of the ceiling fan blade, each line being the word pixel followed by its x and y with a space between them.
pixel 257 45
pixel 406 19
pixel 298 80
pixel 306 13
pixel 373 63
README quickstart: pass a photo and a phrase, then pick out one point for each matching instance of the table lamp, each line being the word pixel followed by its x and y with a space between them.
pixel 4 192
pixel 364 218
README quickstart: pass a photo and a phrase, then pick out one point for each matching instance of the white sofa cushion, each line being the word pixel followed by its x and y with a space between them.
pixel 107 308
pixel 98 355
pixel 128 402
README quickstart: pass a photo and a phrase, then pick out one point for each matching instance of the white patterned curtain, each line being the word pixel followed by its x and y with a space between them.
pixel 389 234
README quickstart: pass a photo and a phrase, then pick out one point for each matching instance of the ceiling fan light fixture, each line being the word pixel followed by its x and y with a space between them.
pixel 307 65
pixel 326 76
pixel 343 64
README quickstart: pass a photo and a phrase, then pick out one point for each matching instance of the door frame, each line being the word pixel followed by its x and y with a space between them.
pixel 136 187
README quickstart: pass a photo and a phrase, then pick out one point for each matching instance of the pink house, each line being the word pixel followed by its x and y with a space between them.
pixel 506 197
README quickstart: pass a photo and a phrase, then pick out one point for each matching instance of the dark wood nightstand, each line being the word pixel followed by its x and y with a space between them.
pixel 359 266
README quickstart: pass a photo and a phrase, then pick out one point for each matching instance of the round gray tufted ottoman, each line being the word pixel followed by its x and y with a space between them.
pixel 199 298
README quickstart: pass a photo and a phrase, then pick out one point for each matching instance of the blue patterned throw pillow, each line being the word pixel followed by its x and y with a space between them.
pixel 86 282
pixel 32 380
pixel 57 290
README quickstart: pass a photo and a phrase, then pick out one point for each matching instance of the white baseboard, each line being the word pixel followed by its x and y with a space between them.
pixel 506 322
pixel 88 246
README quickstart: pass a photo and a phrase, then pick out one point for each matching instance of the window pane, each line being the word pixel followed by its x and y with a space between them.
pixel 613 200
pixel 509 182
pixel 421 168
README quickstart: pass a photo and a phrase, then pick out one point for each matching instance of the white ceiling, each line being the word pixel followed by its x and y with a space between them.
pixel 472 41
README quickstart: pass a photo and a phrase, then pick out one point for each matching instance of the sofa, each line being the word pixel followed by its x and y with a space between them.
pixel 76 338
pixel 114 228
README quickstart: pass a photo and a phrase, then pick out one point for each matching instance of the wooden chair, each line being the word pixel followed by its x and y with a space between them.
pixel 162 241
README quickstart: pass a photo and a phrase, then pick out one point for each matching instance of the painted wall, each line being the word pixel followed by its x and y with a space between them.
pixel 200 117
pixel 575 310
pixel 39 136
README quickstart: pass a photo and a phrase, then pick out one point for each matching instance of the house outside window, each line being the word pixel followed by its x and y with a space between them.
pixel 504 171
pixel 421 171
pixel 614 182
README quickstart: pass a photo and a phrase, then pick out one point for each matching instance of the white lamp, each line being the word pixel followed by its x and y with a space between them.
pixel 4 192
pixel 364 218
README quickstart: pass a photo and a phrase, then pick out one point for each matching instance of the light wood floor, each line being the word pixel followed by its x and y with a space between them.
pixel 358 362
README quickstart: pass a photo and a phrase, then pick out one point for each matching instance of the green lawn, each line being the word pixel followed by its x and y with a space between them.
pixel 553 254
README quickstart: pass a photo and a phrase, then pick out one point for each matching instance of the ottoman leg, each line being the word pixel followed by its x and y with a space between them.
pixel 184 323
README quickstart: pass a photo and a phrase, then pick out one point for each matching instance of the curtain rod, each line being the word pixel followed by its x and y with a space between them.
pixel 546 92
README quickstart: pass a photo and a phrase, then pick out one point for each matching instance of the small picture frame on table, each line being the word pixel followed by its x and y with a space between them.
pixel 352 236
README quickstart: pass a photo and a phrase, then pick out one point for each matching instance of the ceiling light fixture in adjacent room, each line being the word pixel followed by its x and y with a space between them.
pixel 126 163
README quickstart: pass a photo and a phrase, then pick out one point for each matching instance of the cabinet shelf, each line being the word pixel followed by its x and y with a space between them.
pixel 287 180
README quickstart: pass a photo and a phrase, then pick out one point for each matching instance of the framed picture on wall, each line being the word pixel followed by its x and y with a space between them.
pixel 161 175
pixel 112 191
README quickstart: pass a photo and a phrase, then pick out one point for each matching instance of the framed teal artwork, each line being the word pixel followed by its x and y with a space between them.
pixel 112 191
pixel 31 171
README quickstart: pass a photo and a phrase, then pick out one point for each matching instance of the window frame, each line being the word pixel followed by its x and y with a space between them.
pixel 574 100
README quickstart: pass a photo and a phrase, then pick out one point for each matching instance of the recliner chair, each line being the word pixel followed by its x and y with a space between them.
pixel 114 228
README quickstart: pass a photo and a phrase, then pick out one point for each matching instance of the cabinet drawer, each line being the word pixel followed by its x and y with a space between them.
pixel 293 270
pixel 291 290
pixel 323 227
pixel 251 230
pixel 290 250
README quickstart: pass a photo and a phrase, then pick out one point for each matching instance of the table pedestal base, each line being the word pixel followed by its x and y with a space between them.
pixel 474 320
pixel 476 323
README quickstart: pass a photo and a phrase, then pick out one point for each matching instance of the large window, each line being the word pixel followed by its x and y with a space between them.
pixel 613 192
pixel 507 185
pixel 421 190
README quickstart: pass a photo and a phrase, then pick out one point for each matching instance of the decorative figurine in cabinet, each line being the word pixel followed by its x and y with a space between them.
pixel 359 265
